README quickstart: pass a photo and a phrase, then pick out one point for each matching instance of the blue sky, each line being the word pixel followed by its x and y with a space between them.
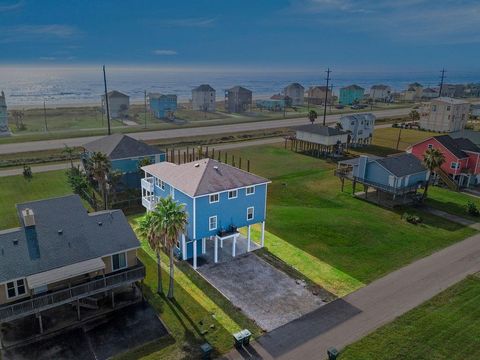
pixel 293 34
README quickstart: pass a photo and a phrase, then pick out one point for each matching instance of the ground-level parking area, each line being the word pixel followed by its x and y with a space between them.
pixel 118 332
pixel 264 293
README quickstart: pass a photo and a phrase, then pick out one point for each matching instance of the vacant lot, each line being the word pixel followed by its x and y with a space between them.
pixel 17 189
pixel 358 239
pixel 388 137
pixel 446 327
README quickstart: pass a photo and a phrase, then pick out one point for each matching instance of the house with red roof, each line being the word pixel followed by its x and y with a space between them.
pixel 462 158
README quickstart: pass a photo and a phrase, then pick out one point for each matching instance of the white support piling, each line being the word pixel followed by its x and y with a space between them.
pixel 262 239
pixel 195 254
pixel 215 258
pixel 234 245
pixel 249 239
pixel 184 247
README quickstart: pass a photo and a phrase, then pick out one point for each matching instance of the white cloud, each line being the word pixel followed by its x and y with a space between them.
pixel 165 52
pixel 187 22
pixel 22 33
pixel 4 7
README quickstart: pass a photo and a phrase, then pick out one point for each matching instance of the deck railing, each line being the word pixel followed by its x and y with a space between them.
pixel 57 298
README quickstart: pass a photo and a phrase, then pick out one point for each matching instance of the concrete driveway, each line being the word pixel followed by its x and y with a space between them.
pixel 123 330
pixel 264 293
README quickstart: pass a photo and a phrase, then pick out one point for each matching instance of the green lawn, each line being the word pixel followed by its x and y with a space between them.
pixel 446 327
pixel 355 238
pixel 199 313
pixel 451 201
pixel 16 189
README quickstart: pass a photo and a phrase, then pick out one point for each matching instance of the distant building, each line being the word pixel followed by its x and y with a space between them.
pixel 331 140
pixel 429 93
pixel 316 95
pixel 445 115
pixel 414 92
pixel 287 99
pixel 453 90
pixel 360 128
pixel 118 104
pixel 296 92
pixel 475 111
pixel 163 106
pixel 473 90
pixel 271 104
pixel 381 93
pixel 238 99
pixel 4 131
pixel 203 98
pixel 351 94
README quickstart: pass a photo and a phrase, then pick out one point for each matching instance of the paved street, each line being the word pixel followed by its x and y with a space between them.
pixel 347 320
pixel 183 132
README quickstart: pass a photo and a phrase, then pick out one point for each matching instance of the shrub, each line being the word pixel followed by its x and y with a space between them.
pixel 27 172
pixel 412 219
pixel 472 209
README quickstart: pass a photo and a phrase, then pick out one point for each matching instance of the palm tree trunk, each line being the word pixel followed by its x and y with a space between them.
pixel 159 274
pixel 170 287
pixel 424 196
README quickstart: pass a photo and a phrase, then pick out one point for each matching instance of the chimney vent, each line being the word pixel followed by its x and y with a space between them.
pixel 28 217
pixel 100 223
pixel 197 165
pixel 60 231
pixel 15 242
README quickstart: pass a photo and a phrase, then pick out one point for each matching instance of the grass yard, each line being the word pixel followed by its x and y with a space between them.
pixel 444 328
pixel 199 313
pixel 359 240
pixel 388 137
pixel 16 189
pixel 451 201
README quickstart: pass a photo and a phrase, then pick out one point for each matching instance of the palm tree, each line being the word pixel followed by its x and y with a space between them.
pixel 312 116
pixel 433 159
pixel 150 227
pixel 69 151
pixel 174 223
pixel 338 126
pixel 99 166
pixel 414 115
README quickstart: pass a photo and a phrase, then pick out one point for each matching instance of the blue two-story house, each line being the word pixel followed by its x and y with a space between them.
pixel 125 154
pixel 398 175
pixel 219 199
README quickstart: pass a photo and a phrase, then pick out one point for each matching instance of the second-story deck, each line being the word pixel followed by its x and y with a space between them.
pixel 53 299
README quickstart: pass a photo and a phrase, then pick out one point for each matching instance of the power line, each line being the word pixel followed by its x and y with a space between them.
pixel 326 97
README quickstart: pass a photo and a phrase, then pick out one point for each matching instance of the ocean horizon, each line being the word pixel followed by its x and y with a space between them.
pixel 83 85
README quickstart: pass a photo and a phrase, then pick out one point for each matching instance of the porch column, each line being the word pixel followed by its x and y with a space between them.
pixel 215 257
pixel 234 245
pixel 113 299
pixel 184 247
pixel 204 245
pixel 78 310
pixel 248 239
pixel 40 322
pixel 195 254
pixel 262 239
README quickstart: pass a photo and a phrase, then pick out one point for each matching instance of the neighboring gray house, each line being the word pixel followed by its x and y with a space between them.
pixel 238 99
pixel 381 93
pixel 360 128
pixel 453 90
pixel 320 139
pixel 429 93
pixel 203 98
pixel 296 93
pixel 4 131
pixel 118 104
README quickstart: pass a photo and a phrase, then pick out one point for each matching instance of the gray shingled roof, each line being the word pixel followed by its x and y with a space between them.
pixel 452 145
pixel 380 87
pixel 204 87
pixel 115 93
pixel 239 89
pixel 466 145
pixel 203 177
pixel 320 130
pixel 119 146
pixel 82 238
pixel 402 164
pixel 353 87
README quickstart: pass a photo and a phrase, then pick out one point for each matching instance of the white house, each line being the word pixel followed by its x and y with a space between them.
pixel 296 92
pixel 429 93
pixel 445 114
pixel 321 139
pixel 203 98
pixel 118 104
pixel 360 128
pixel 381 93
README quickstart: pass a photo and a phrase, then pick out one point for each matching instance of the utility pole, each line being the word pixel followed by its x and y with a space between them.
pixel 145 110
pixel 45 116
pixel 326 97
pixel 106 101
pixel 442 78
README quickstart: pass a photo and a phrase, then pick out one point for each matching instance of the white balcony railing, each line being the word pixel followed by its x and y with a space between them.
pixel 147 184
pixel 149 202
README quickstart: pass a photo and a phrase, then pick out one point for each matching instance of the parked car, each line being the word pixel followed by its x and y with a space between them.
pixel 339 106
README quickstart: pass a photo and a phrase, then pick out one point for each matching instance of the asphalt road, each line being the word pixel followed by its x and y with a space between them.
pixel 347 320
pixel 184 132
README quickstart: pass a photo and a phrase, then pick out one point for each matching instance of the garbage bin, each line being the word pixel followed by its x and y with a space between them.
pixel 206 350
pixel 332 353
pixel 238 339
pixel 246 337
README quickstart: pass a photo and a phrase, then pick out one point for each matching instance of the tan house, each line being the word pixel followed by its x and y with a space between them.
pixel 316 95
pixel 445 114
pixel 414 92
pixel 118 104
pixel 63 257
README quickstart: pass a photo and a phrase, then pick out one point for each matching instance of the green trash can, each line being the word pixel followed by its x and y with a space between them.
pixel 206 350
pixel 246 337
pixel 238 339
pixel 332 353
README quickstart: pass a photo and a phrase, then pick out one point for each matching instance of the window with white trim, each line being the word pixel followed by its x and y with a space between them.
pixel 214 198
pixel 119 261
pixel 16 288
pixel 430 146
pixel 250 213
pixel 212 223
pixel 454 165
pixel 232 194
pixel 159 183
pixel 250 190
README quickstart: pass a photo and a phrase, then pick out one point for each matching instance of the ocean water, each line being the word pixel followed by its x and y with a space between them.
pixel 31 86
